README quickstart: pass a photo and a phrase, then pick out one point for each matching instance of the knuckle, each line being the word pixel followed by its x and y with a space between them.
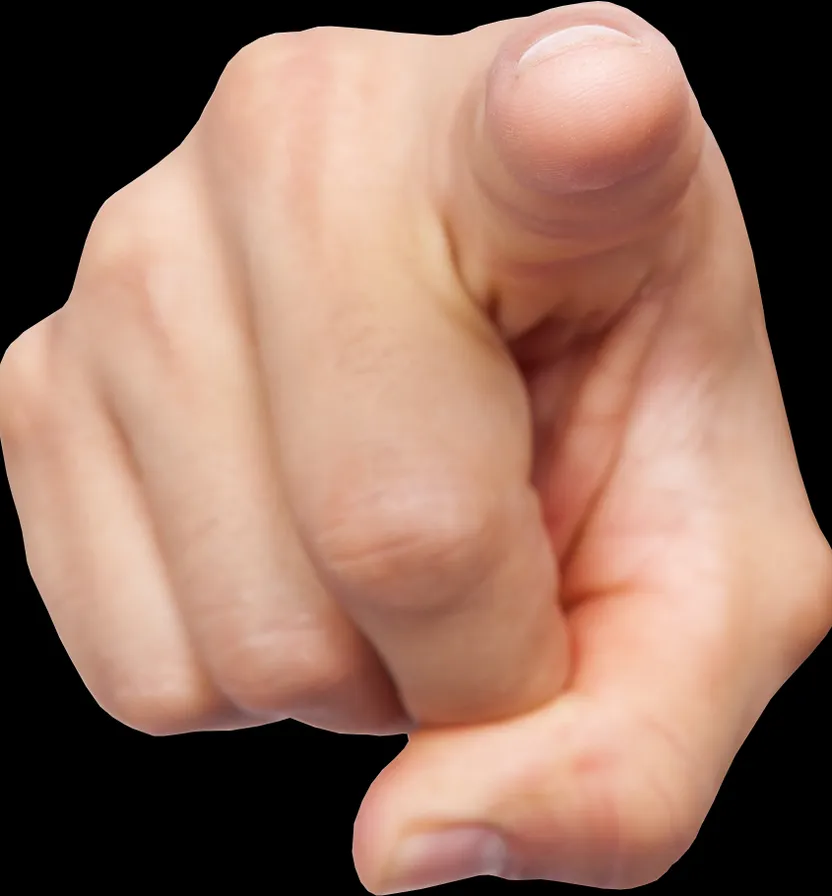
pixel 268 64
pixel 115 242
pixel 113 228
pixel 260 676
pixel 410 543
pixel 25 385
pixel 157 708
pixel 271 97
pixel 249 69
pixel 125 281
pixel 116 265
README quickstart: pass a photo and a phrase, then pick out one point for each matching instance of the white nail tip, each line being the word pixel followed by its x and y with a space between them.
pixel 569 38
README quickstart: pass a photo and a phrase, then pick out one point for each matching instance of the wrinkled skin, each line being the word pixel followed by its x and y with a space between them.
pixel 417 391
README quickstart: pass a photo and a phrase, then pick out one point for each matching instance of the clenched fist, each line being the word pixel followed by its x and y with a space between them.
pixel 425 387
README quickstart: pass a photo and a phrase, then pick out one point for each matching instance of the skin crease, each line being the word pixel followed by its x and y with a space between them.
pixel 486 407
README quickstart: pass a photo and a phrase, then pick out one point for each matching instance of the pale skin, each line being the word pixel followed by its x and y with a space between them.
pixel 424 390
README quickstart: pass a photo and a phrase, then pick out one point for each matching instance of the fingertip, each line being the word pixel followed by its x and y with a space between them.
pixel 581 102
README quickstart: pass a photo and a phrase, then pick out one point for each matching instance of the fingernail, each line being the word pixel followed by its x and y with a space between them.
pixel 569 38
pixel 428 860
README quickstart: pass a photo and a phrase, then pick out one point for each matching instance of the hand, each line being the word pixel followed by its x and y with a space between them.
pixel 186 265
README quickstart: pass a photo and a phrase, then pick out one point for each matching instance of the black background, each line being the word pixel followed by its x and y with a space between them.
pixel 96 101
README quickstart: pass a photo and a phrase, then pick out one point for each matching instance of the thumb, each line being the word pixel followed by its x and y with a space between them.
pixel 575 143
pixel 578 792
